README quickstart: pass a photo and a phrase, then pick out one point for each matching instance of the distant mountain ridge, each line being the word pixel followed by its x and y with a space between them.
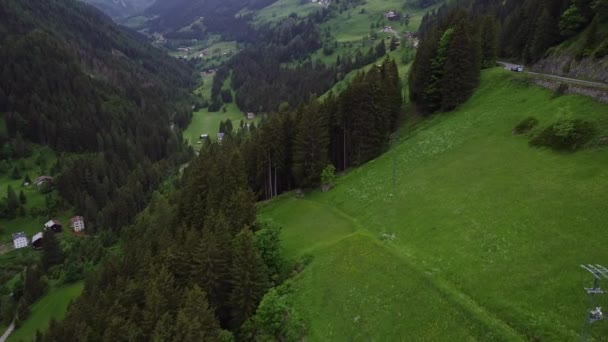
pixel 192 19
pixel 121 8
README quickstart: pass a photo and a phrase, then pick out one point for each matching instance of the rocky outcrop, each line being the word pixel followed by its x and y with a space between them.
pixel 566 65
pixel 598 93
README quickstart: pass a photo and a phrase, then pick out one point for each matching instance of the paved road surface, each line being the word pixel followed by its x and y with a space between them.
pixel 508 66
pixel 8 331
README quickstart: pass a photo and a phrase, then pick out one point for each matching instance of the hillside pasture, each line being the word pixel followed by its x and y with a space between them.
pixel 53 305
pixel 482 229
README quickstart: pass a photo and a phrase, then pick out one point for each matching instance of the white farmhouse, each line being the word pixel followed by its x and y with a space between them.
pixel 19 240
pixel 77 223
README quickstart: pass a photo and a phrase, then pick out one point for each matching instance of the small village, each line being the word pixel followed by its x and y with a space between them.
pixel 76 223
pixel 221 135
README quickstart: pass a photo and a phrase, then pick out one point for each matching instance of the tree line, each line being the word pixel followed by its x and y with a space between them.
pixel 291 148
pixel 454 47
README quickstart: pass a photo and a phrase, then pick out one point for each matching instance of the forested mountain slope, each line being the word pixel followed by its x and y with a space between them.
pixel 568 38
pixel 192 19
pixel 73 80
pixel 120 8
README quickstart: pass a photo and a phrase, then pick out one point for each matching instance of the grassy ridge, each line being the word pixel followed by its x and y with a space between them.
pixel 500 227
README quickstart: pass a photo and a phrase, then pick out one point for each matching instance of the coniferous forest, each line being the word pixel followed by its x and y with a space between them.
pixel 177 251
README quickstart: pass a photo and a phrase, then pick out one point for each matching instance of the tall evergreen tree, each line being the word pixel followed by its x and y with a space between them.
pixel 462 66
pixel 310 149
pixel 433 92
pixel 51 251
pixel 489 41
pixel 12 202
pixel 248 276
pixel 195 319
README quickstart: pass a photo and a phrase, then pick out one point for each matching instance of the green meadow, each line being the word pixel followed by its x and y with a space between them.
pixel 480 239
pixel 54 305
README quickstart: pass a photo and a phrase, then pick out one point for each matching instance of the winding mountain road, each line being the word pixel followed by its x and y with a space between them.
pixel 510 66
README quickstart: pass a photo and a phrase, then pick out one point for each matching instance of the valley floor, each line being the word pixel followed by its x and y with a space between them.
pixel 481 239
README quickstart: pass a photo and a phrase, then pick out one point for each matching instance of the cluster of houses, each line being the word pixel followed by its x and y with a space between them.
pixel 321 2
pixel 221 135
pixel 20 239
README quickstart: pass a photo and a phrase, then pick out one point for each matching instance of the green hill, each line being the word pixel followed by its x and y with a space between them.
pixel 481 238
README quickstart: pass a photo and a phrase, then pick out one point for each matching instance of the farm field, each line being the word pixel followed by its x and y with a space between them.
pixel 205 122
pixel 482 237
pixel 53 305
pixel 283 8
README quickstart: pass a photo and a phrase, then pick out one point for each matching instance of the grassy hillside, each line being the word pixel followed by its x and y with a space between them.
pixel 53 305
pixel 481 239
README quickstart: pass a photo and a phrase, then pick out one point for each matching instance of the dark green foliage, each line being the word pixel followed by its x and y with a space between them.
pixel 462 66
pixel 249 278
pixel 310 145
pixel 51 251
pixel 268 244
pixel 22 198
pixel 276 319
pixel 381 48
pixel 525 125
pixel 489 42
pixel 447 67
pixel 80 84
pixel 12 203
pixel 565 135
pixel 393 44
pixel 195 319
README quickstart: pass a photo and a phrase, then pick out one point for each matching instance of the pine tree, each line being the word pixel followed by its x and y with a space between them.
pixel 210 267
pixel 393 44
pixel 489 42
pixel 165 329
pixel 462 66
pixel 310 148
pixel 545 35
pixel 433 92
pixel 22 198
pixel 51 251
pixel 158 297
pixel 248 276
pixel 12 202
pixel 195 319
pixel 381 49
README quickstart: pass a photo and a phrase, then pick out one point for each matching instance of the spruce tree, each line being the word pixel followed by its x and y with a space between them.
pixel 51 251
pixel 381 49
pixel 22 198
pixel 158 296
pixel 248 277
pixel 12 202
pixel 310 148
pixel 462 66
pixel 393 44
pixel 433 94
pixel 195 319
pixel 489 42
pixel 210 267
